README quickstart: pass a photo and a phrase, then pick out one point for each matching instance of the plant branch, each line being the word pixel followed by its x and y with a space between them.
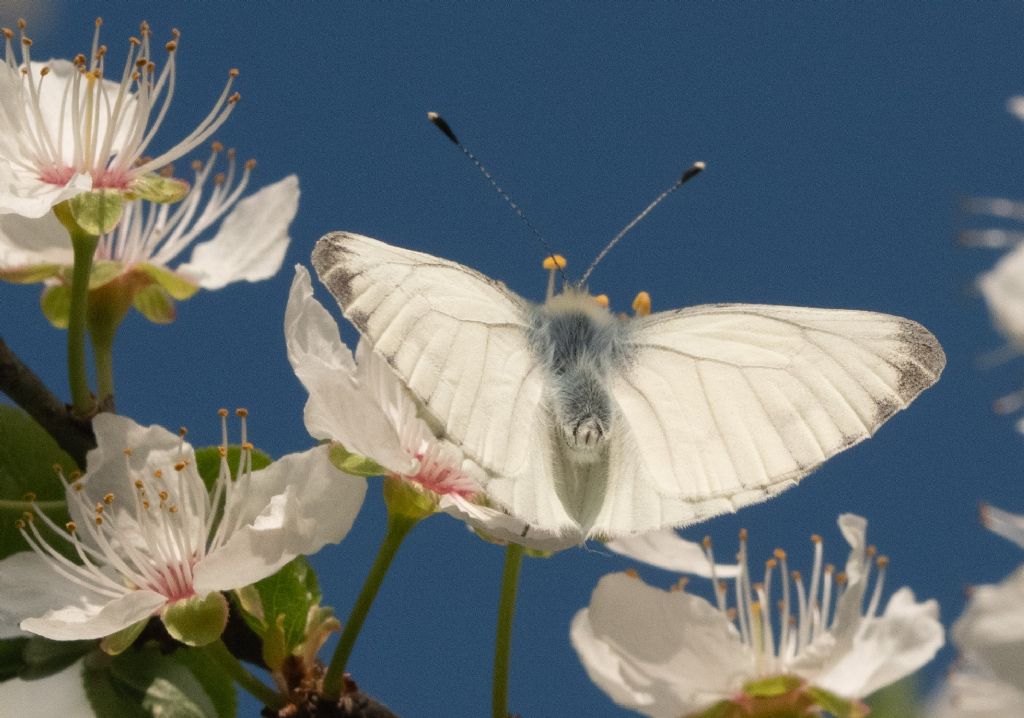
pixel 27 390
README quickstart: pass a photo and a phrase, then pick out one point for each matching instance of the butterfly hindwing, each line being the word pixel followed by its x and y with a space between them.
pixel 726 405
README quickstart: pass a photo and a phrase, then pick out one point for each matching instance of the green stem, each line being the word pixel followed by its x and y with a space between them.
pixel 84 246
pixel 220 655
pixel 503 639
pixel 16 505
pixel 398 527
pixel 103 354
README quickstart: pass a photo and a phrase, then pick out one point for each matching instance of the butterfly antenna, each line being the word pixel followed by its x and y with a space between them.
pixel 439 123
pixel 688 175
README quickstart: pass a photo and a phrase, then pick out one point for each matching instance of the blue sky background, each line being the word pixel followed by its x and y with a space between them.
pixel 839 141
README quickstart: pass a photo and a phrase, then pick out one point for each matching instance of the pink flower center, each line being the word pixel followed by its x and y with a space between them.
pixel 441 477
pixel 111 179
pixel 56 175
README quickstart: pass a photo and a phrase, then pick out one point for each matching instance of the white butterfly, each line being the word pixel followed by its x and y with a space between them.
pixel 588 422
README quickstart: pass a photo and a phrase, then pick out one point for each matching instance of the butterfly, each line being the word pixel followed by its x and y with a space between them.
pixel 590 422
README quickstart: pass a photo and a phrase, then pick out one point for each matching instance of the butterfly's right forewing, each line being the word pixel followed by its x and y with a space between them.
pixel 457 339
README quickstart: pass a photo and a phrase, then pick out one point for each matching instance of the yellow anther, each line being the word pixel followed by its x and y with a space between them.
pixel 795 575
pixel 771 563
pixel 26 42
pixel 755 606
pixel 222 450
pixel 601 300
pixel 179 466
pixel 830 568
pixel 216 146
pixel 642 304
pixel 71 527
pixel 108 498
pixel 145 504
pixel 247 446
pixel 76 486
pixel 79 59
pixel 743 534
pixel 882 561
pixel 134 41
pixel 242 412
pixel 99 21
pixel 167 171
pixel 8 32
pixel 57 469
pixel 556 261
pixel 815 538
pixel 182 430
pixel 234 98
pixel 99 508
pixel 29 496
pixel 841 578
pixel 171 46
pixel 222 412
pixel 139 484
pixel 632 573
pixel 706 542
pixel 99 520
pixel 871 550
pixel 197 166
pixel 19 524
pixel 141 62
pixel 219 178
pixel 163 495
pixel 779 554
pixel 21 23
pixel 126 451
pixel 233 72
pixel 44 71
pixel 250 164
pixel 173 509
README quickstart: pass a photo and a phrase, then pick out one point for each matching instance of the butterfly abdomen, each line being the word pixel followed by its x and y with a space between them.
pixel 578 343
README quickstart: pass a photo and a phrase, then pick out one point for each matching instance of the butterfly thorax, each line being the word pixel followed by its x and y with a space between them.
pixel 579 343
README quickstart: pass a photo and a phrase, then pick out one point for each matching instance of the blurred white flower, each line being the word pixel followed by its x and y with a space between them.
pixel 670 653
pixel 359 403
pixel 149 536
pixel 64 129
pixel 59 694
pixel 249 244
pixel 971 692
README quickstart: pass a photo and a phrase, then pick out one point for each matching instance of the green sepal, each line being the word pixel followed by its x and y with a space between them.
pixel 56 305
pixel 837 706
pixel 159 189
pixel 155 304
pixel 722 709
pixel 407 500
pixel 102 272
pixel 896 700
pixel 30 274
pixel 772 687
pixel 97 212
pixel 197 621
pixel 175 284
pixel 275 646
pixel 27 458
pixel 116 643
pixel 354 464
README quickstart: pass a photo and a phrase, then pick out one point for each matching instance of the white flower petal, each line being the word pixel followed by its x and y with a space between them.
pixel 970 694
pixel 848 607
pixel 1009 526
pixel 340 407
pixel 668 550
pixel 991 629
pixel 95 620
pixel 29 587
pixel 664 654
pixel 903 639
pixel 25 242
pixel 1015 106
pixel 1003 290
pixel 499 525
pixel 295 506
pixel 59 694
pixel 27 195
pixel 252 239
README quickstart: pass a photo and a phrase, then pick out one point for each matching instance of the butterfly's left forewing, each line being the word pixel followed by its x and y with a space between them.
pixel 725 405
pixel 457 339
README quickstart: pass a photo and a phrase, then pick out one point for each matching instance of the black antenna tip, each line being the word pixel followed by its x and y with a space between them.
pixel 694 170
pixel 440 124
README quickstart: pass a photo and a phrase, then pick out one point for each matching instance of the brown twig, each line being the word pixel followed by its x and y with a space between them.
pixel 74 435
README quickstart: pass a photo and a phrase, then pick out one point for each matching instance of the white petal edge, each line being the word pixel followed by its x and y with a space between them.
pixel 26 242
pixel 991 628
pixel 297 505
pixel 72 623
pixel 969 693
pixel 252 240
pixel 662 653
pixel 668 550
pixel 499 525
pixel 1003 523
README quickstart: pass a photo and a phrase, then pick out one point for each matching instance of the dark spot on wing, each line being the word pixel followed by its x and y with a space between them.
pixel 331 259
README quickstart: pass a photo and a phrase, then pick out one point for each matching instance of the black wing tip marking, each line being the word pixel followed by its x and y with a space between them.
pixel 330 260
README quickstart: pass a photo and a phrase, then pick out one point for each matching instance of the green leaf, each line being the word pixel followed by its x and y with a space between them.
pixel 97 212
pixel 208 462
pixel 44 657
pixel 119 642
pixel 30 274
pixel 175 284
pixel 155 304
pixel 896 701
pixel 146 684
pixel 289 593
pixel 12 661
pixel 217 684
pixel 56 305
pixel 354 464
pixel 275 644
pixel 159 189
pixel 27 457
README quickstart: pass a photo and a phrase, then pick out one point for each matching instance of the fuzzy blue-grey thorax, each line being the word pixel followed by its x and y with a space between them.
pixel 579 343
